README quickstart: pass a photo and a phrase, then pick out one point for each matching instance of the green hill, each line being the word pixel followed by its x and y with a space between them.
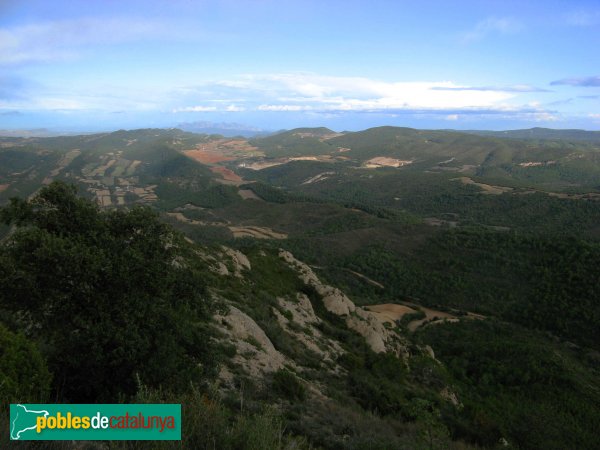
pixel 548 164
pixel 297 142
pixel 543 134
pixel 433 146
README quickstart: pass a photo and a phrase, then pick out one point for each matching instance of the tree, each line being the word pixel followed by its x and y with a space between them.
pixel 109 295
pixel 434 433
pixel 24 376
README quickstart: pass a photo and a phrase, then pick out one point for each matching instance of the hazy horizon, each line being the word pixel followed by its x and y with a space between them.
pixel 217 128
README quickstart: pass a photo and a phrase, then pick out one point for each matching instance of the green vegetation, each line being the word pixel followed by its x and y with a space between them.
pixel 542 283
pixel 23 372
pixel 518 385
pixel 297 142
pixel 103 285
pixel 267 192
pixel 544 134
pixel 173 195
pixel 288 385
pixel 128 291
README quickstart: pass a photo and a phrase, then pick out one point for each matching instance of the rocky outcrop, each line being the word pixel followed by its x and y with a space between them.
pixel 301 310
pixel 239 260
pixel 451 397
pixel 378 336
pixel 335 301
pixel 255 352
pixel 299 321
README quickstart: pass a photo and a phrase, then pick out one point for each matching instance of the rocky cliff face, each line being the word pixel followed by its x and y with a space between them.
pixel 378 336
pixel 294 314
pixel 254 350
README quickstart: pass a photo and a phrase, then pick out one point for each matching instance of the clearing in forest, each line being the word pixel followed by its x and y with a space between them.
pixel 256 232
pixel 383 161
pixel 392 312
pixel 486 188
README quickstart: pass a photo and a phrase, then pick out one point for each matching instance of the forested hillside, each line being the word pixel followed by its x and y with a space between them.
pixel 391 288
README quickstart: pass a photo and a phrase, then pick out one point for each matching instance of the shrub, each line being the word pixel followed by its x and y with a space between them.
pixel 24 376
pixel 288 385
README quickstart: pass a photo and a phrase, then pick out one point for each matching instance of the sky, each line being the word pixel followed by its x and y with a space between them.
pixel 272 64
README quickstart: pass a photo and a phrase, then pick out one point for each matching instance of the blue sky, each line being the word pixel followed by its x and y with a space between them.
pixel 348 65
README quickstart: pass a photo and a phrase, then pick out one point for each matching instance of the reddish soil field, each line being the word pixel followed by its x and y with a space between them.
pixel 227 174
pixel 206 157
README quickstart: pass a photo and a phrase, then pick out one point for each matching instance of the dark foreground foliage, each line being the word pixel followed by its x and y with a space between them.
pixel 107 295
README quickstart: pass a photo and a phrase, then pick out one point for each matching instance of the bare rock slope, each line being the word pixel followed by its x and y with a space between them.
pixel 379 337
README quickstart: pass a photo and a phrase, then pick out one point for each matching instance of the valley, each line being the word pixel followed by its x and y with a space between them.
pixel 386 282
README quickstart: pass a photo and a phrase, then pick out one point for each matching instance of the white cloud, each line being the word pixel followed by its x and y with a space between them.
pixel 203 108
pixel 363 94
pixel 513 88
pixel 284 108
pixel 543 117
pixel 195 109
pixel 312 93
pixel 492 25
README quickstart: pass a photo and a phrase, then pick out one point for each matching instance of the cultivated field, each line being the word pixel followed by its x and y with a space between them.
pixel 223 150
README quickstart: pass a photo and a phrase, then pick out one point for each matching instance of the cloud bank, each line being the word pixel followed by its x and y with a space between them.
pixel 299 93
pixel 320 94
pixel 584 82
